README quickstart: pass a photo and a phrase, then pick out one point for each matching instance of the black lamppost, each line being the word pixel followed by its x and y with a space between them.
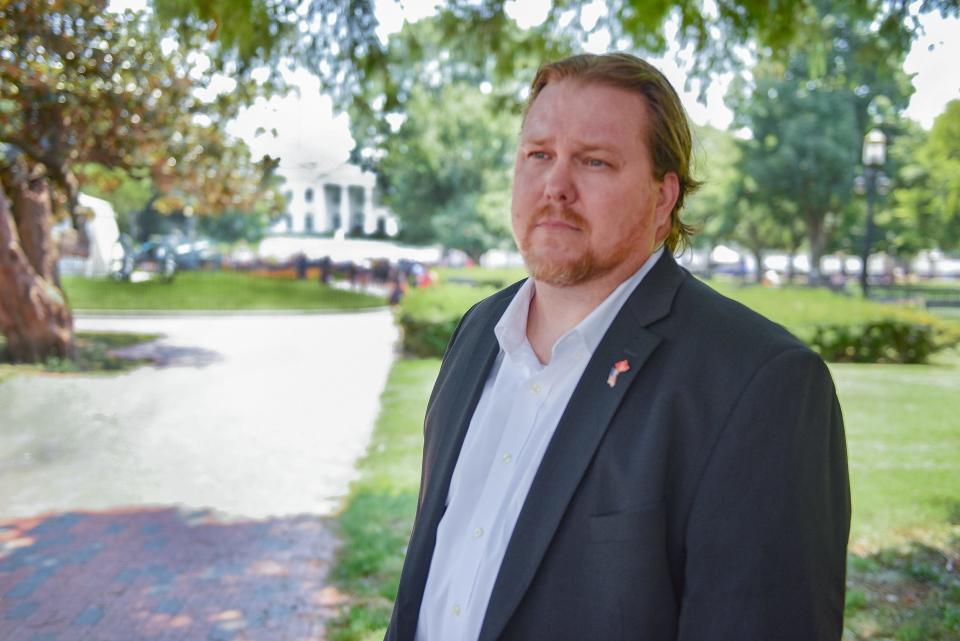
pixel 872 181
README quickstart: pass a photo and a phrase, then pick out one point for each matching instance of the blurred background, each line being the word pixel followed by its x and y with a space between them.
pixel 207 206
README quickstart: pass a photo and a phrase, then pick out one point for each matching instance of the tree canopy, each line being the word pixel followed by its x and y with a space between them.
pixel 342 33
pixel 446 170
pixel 80 85
pixel 926 209
pixel 821 52
pixel 807 115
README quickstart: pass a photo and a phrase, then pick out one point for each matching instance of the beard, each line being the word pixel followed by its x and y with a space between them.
pixel 561 264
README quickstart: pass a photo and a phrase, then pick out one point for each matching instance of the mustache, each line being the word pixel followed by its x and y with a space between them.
pixel 563 214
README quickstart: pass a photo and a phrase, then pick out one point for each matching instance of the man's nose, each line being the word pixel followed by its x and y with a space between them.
pixel 560 185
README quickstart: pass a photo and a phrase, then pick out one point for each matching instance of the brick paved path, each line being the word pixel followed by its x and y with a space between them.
pixel 164 574
pixel 258 417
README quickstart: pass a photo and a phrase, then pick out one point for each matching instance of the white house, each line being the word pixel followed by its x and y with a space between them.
pixel 340 200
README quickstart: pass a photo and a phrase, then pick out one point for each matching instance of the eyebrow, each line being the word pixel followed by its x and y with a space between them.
pixel 586 147
pixel 539 141
pixel 594 147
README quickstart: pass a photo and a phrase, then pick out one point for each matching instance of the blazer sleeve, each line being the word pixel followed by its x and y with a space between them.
pixel 767 531
pixel 459 340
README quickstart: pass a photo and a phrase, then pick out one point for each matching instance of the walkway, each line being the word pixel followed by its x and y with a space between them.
pixel 187 500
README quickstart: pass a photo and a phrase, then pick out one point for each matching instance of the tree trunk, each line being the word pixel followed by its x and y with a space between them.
pixel 755 245
pixel 33 217
pixel 816 235
pixel 758 257
pixel 34 316
pixel 744 274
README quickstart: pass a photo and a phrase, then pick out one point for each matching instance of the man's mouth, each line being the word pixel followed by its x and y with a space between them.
pixel 554 224
pixel 560 221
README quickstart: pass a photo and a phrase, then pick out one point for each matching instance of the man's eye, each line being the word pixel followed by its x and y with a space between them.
pixel 538 155
pixel 595 162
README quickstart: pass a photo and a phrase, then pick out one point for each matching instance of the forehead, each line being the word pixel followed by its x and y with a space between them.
pixel 594 112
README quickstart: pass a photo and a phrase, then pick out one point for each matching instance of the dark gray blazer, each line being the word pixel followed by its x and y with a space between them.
pixel 702 498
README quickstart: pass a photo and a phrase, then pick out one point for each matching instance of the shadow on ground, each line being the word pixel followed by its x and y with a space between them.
pixel 907 593
pixel 164 573
pixel 162 355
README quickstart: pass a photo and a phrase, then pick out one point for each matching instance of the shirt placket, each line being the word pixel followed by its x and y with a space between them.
pixel 500 483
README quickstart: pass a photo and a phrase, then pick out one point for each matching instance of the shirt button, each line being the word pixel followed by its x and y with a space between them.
pixel 535 388
pixel 507 458
pixel 456 610
pixel 478 533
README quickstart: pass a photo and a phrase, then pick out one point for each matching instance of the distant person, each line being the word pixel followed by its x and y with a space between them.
pixel 397 289
pixel 325 269
pixel 381 271
pixel 301 265
pixel 352 273
pixel 417 274
pixel 365 273
pixel 612 450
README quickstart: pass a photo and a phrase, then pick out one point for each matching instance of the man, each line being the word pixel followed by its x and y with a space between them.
pixel 613 450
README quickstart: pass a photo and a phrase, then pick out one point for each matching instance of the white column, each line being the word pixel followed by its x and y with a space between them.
pixel 369 218
pixel 344 209
pixel 324 223
pixel 298 206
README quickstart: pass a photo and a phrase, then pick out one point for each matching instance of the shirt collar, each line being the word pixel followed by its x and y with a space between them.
pixel 511 330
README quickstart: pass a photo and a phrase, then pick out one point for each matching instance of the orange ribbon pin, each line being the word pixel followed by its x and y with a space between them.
pixel 618 368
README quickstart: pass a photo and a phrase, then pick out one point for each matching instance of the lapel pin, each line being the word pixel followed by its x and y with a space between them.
pixel 618 368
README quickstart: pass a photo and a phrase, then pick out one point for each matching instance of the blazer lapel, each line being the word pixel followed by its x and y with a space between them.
pixel 579 432
pixel 470 365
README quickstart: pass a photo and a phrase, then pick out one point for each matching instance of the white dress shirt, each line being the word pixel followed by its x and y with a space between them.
pixel 517 414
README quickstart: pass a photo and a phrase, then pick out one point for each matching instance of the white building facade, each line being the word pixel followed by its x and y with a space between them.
pixel 340 201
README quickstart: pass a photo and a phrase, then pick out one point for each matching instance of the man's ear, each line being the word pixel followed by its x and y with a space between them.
pixel 669 191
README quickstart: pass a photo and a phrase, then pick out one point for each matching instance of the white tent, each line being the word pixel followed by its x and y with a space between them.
pixel 103 233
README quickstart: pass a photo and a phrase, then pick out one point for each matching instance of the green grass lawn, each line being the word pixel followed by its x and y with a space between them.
pixel 378 516
pixel 903 435
pixel 212 291
pixel 951 313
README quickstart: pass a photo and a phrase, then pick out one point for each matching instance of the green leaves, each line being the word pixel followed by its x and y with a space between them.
pixel 807 114
pixel 82 85
pixel 445 169
pixel 929 200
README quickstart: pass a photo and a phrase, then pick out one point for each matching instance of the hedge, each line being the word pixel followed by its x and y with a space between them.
pixel 428 316
pixel 870 332
pixel 883 341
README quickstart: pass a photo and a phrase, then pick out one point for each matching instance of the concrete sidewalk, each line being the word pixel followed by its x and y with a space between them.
pixel 187 500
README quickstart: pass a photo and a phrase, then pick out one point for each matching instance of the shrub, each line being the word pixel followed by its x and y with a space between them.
pixel 882 341
pixel 428 316
pixel 870 333
pixel 426 338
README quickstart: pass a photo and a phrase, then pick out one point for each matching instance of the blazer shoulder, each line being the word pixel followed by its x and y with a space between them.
pixel 478 315
pixel 706 313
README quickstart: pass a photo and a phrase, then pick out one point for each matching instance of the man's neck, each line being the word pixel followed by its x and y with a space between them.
pixel 555 310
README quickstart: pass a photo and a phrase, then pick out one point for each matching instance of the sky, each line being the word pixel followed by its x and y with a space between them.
pixel 309 132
